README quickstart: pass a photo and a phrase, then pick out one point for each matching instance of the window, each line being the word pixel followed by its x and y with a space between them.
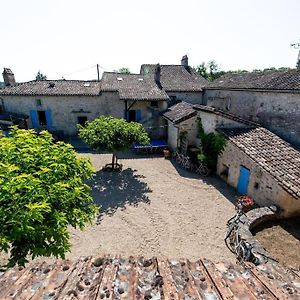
pixel 225 171
pixel 38 102
pixel 82 120
pixel 132 116
pixel 154 104
pixel 42 118
pixel 173 98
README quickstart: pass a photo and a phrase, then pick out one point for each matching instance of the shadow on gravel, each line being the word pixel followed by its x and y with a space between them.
pixel 226 190
pixel 113 190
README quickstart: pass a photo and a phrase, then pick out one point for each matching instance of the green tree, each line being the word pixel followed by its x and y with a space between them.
pixel 209 71
pixel 111 134
pixel 39 76
pixel 42 191
pixel 123 70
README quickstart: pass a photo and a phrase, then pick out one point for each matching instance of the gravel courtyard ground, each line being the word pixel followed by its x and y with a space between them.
pixel 154 208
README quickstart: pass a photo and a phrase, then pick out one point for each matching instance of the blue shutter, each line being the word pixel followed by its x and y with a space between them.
pixel 48 119
pixel 138 115
pixel 34 118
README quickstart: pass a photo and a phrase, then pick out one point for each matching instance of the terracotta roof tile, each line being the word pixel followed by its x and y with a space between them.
pixel 268 80
pixel 271 153
pixel 155 278
pixel 53 88
pixel 180 112
pixel 176 78
pixel 132 86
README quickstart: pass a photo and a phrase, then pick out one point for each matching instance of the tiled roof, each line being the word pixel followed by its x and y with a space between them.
pixel 53 88
pixel 132 86
pixel 268 80
pixel 155 278
pixel 222 113
pixel 271 153
pixel 180 112
pixel 176 78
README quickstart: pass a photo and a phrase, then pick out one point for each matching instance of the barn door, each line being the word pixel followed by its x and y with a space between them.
pixel 243 180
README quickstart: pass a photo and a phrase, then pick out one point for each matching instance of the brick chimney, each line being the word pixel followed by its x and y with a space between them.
pixel 9 77
pixel 185 61
pixel 157 72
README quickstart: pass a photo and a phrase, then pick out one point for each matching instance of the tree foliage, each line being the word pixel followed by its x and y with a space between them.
pixel 212 145
pixel 211 70
pixel 111 134
pixel 42 191
pixel 123 70
pixel 39 76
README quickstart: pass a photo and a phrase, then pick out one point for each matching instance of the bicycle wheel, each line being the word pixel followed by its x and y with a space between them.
pixel 228 238
pixel 204 170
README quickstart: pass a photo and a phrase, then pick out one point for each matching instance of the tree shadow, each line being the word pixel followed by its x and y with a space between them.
pixel 113 190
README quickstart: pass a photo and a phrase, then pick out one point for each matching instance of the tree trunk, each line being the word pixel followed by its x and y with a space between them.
pixel 113 161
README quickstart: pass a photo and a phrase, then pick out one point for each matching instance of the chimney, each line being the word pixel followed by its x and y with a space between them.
pixel 185 61
pixel 157 72
pixel 9 77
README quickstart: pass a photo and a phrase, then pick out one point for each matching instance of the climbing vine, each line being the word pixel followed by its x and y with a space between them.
pixel 212 145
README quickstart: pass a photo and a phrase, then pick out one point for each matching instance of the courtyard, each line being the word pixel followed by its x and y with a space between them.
pixel 155 208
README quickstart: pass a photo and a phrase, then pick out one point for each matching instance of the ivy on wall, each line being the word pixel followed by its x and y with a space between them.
pixel 212 145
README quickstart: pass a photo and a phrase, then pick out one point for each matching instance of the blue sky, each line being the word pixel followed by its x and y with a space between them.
pixel 69 37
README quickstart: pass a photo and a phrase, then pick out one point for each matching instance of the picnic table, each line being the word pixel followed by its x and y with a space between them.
pixel 155 146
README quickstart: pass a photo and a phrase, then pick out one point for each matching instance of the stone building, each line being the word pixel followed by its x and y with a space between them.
pixel 57 105
pixel 270 98
pixel 179 81
pixel 255 161
pixel 260 164
pixel 141 99
pixel 181 117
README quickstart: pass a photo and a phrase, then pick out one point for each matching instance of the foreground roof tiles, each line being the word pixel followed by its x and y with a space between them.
pixel 176 78
pixel 132 86
pixel 54 88
pixel 180 112
pixel 269 80
pixel 155 278
pixel 271 153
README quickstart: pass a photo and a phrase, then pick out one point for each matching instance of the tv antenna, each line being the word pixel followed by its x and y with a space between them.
pixel 297 46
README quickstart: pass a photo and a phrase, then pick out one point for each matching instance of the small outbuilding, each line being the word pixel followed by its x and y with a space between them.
pixel 260 164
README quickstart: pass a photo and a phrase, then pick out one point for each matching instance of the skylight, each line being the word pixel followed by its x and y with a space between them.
pixel 87 84
pixel 119 78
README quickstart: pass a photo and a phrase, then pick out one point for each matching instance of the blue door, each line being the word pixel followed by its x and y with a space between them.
pixel 243 180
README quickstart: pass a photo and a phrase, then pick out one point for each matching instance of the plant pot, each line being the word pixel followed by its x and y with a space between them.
pixel 167 153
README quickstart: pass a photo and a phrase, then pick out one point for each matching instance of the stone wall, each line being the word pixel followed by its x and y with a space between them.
pixel 190 97
pixel 211 121
pixel 263 187
pixel 66 109
pixel 279 112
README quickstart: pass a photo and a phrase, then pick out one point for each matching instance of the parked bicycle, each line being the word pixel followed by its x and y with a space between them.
pixel 241 248
pixel 186 162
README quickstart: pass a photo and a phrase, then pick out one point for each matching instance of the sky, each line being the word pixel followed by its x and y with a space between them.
pixel 67 38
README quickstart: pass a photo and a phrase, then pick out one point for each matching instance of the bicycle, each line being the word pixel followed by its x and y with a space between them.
pixel 201 169
pixel 241 248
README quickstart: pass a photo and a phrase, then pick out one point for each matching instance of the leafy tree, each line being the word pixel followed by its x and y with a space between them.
pixel 209 71
pixel 111 134
pixel 212 145
pixel 39 76
pixel 42 191
pixel 123 70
